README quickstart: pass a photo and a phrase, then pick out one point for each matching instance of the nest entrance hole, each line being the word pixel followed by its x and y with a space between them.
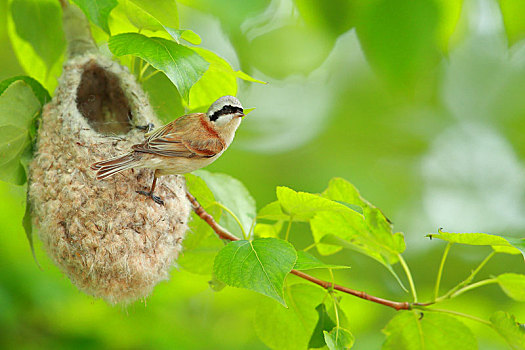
pixel 102 102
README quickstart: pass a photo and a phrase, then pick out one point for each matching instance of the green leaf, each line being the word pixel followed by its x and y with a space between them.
pixel 198 188
pixel 164 11
pixel 303 206
pixel 369 233
pixel 333 17
pixel 450 12
pixel 324 323
pixel 219 80
pixel 158 15
pixel 39 23
pixel 512 11
pixel 518 243
pixel 18 108
pixel 14 141
pixel 182 65
pixel 289 328
pixel 18 105
pixel 32 64
pixel 141 19
pixel 28 228
pixel 216 285
pixel 338 243
pixel 260 265
pixel 498 243
pixel 512 331
pixel 201 245
pixel 185 34
pixel 339 339
pixel 272 211
pixel 40 92
pixel 513 285
pixel 199 259
pixel 429 331
pixel 268 230
pixel 306 261
pixel 231 193
pixel 97 11
pixel 164 97
pixel 376 222
pixel 401 39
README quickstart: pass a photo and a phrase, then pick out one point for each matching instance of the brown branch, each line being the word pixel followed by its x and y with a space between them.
pixel 223 233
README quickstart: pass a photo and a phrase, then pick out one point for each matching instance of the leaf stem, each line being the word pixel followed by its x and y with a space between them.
pixel 440 270
pixel 143 68
pixel 234 217
pixel 465 282
pixel 287 235
pixel 409 276
pixel 150 75
pixel 334 301
pixel 310 247
pixel 223 233
pixel 474 286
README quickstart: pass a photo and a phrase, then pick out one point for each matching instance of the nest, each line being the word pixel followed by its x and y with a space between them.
pixel 110 241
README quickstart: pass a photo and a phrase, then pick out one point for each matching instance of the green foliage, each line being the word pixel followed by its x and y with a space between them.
pixel 158 15
pixel 302 206
pixel 403 41
pixel 512 11
pixel 219 80
pixel 260 265
pixel 324 323
pixel 268 230
pixel 339 339
pixel 335 17
pixel 97 11
pixel 403 46
pixel 297 322
pixel 182 65
pixel 18 109
pixel 165 12
pixel 498 243
pixel 513 285
pixel 232 195
pixel 306 261
pixel 38 23
pixel 512 331
pixel 35 32
pixel 40 93
pixel 413 330
pixel 21 100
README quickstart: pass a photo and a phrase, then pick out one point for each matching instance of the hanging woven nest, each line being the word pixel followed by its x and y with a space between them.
pixel 110 241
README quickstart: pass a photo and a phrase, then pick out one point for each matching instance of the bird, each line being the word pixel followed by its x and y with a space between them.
pixel 186 144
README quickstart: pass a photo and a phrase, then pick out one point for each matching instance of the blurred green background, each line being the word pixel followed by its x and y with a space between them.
pixel 420 104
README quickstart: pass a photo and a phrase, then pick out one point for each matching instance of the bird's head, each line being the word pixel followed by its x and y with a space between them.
pixel 224 111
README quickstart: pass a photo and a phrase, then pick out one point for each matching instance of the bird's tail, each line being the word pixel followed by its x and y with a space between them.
pixel 110 167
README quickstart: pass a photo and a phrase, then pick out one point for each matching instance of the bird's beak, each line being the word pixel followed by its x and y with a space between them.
pixel 240 115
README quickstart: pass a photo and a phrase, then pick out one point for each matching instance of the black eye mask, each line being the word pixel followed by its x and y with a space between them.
pixel 225 110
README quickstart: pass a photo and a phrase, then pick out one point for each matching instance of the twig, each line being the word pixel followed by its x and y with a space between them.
pixel 223 233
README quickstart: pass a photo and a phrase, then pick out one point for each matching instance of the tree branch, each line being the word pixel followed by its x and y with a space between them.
pixel 223 233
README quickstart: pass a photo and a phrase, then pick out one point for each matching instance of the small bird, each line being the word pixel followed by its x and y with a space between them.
pixel 186 144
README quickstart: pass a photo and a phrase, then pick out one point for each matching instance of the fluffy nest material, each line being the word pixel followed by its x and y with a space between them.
pixel 110 241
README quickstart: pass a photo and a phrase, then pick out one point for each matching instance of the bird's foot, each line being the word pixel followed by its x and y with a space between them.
pixel 147 128
pixel 156 199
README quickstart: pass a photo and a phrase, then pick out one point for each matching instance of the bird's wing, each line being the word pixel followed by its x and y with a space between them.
pixel 189 136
